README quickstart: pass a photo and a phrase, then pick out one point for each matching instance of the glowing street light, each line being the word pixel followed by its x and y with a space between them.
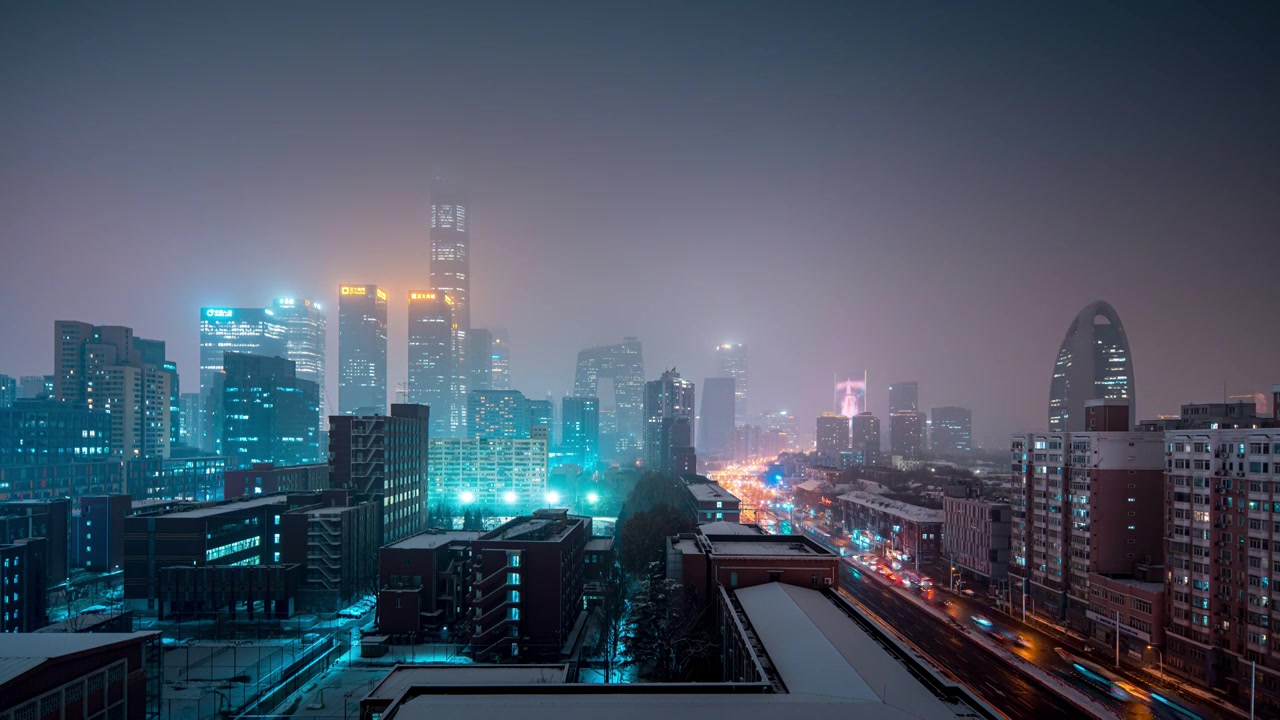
pixel 467 497
pixel 553 497
pixel 509 497
pixel 593 498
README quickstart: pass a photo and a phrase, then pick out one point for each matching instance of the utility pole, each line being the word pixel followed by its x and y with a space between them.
pixel 1253 684
pixel 1117 639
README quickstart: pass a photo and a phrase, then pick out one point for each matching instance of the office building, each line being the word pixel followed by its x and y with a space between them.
pixel 864 438
pixel 498 477
pixel 82 675
pixel 480 357
pixel 1082 504
pixel 906 435
pixel 35 387
pixel 61 479
pixel 908 533
pixel 431 357
pixel 41 432
pixel 539 412
pixel 191 421
pixel 268 479
pixel 8 391
pixel 248 330
pixel 580 429
pixel 422 582
pixel 1093 363
pixel 622 413
pixel 904 397
pixel 951 431
pixel 99 529
pixel 384 455
pixel 269 415
pixel 832 434
pixel 495 414
pixel 975 536
pixel 500 360
pixel 451 275
pixel 668 429
pixel 305 339
pixel 1221 519
pixel 527 586
pixel 185 478
pixel 708 502
pixel 731 362
pixel 362 350
pixel 716 419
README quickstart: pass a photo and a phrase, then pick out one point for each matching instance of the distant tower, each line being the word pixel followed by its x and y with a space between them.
pixel 305 340
pixel 451 275
pixel 952 430
pixel 1094 363
pixel 622 439
pixel 732 361
pixel 716 417
pixel 668 427
pixel 431 371
pixel 362 350
pixel 832 434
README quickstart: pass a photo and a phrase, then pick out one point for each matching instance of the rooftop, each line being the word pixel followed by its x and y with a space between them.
pixel 431 540
pixel 543 526
pixel 778 546
pixel 404 677
pixel 600 544
pixel 710 492
pixel 914 513
pixel 20 652
pixel 721 527
pixel 231 506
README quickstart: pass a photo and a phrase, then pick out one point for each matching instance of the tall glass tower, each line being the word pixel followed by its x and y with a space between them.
pixel 305 337
pixel 622 439
pixel 732 361
pixel 256 331
pixel 362 350
pixel 431 370
pixel 451 275
pixel 1094 363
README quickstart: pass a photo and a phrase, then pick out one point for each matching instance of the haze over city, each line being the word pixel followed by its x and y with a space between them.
pixel 921 192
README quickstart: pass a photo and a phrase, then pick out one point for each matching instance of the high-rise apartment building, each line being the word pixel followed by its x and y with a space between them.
pixel 731 360
pixel 500 360
pixel 248 330
pixel 384 455
pixel 622 425
pixel 952 430
pixel 904 397
pixel 8 391
pixel 362 350
pixel 864 438
pixel 431 356
pixel 580 429
pixel 1082 504
pixel 1094 363
pixel 269 414
pixel 495 414
pixel 668 428
pixel 832 434
pixel 907 435
pixel 109 370
pixel 496 476
pixel 716 421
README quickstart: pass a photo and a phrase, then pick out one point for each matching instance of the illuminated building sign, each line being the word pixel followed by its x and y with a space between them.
pixel 351 290
pixel 382 295
pixel 285 302
pixel 422 296
pixel 219 313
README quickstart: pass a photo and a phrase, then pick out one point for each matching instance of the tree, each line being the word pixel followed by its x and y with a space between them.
pixel 668 639
pixel 642 538
pixel 613 621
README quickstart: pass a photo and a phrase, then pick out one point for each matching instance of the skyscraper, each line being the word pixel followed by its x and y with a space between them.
pixel 500 361
pixel 1094 363
pixel 269 414
pixel 864 438
pixel 668 427
pixel 832 434
pixel 580 428
pixel 732 361
pixel 497 414
pixel 904 397
pixel 716 420
pixel 539 412
pixel 249 330
pixel 362 350
pixel 451 275
pixel 623 365
pixel 952 430
pixel 304 325
pixel 8 391
pixel 480 360
pixel 906 434
pixel 431 372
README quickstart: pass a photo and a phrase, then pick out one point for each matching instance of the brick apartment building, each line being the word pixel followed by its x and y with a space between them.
pixel 422 580
pixel 900 530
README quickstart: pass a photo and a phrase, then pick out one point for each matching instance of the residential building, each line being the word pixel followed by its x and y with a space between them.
pixel 716 420
pixel 8 391
pixel 907 434
pixel 975 536
pixel 526 586
pixel 337 541
pixel 668 429
pixel 1081 504
pixel 23 604
pixel 951 431
pixel 832 434
pixel 503 476
pixel 622 430
pixel 35 387
pixel 268 479
pixel 907 533
pixel 421 583
pixel 732 556
pixel 247 330
pixel 580 429
pixel 47 519
pixel 384 455
pixel 99 545
pixel 731 362
pixel 185 478
pixel 1134 603
pixel 1093 363
pixel 708 502
pixel 864 438
pixel 431 357
pixel 41 432
pixel 497 414
pixel 269 414
pixel 82 675
pixel 362 350
pixel 451 275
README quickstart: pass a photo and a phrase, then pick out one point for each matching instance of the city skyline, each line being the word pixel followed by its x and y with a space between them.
pixel 259 209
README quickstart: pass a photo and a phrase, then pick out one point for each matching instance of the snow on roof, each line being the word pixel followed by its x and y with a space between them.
pixel 914 513
pixel 781 546
pixel 810 485
pixel 223 507
pixel 432 540
pixel 710 491
pixel 20 652
pixel 721 527
pixel 600 544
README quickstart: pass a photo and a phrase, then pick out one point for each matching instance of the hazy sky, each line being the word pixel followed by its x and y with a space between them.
pixel 926 191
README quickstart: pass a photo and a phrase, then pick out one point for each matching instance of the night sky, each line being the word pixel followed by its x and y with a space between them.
pixel 925 191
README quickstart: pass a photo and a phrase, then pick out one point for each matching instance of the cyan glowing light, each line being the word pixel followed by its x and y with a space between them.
pixel 509 497
pixel 553 497
pixel 593 498
pixel 467 496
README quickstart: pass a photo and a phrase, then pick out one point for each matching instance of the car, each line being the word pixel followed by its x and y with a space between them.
pixel 968 593
pixel 982 621
pixel 1012 639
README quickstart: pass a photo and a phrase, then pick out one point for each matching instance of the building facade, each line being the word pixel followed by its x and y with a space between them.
pixel 384 455
pixel 451 275
pixel 864 438
pixel 362 350
pixel 621 431
pixel 268 479
pixel 501 476
pixel 716 420
pixel 337 541
pixel 269 414
pixel 431 357
pixel 709 502
pixel 907 434
pixel 1094 363
pixel 305 337
pixel 975 536
pixel 421 583
pixel 832 434
pixel 497 414
pixel 731 362
pixel 668 428
pixel 907 533
pixel 951 431
pixel 249 330
pixel 41 432
pixel 580 429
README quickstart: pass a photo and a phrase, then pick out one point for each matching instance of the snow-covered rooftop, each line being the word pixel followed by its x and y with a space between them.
pixel 913 513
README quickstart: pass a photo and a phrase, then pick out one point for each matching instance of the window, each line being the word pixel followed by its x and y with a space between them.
pixel 733 579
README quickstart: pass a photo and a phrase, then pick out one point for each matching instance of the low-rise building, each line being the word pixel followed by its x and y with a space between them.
pixel 421 583
pixel 336 539
pixel 268 478
pixel 1134 603
pixel 81 675
pixel 908 533
pixel 48 519
pixel 975 536
pixel 61 480
pixel 734 556
pixel 23 604
pixel 197 478
pixel 99 543
pixel 708 501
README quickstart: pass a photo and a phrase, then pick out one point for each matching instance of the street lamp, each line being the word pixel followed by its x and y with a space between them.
pixel 1160 658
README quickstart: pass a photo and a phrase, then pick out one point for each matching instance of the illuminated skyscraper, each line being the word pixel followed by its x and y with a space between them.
pixel 732 361
pixel 431 355
pixel 906 434
pixel 249 330
pixel 270 414
pixel 497 414
pixel 668 424
pixel 580 428
pixel 362 350
pixel 500 361
pixel 952 432
pixel 716 418
pixel 623 438
pixel 304 337
pixel 832 434
pixel 451 275
pixel 864 438
pixel 1094 363
pixel 904 397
